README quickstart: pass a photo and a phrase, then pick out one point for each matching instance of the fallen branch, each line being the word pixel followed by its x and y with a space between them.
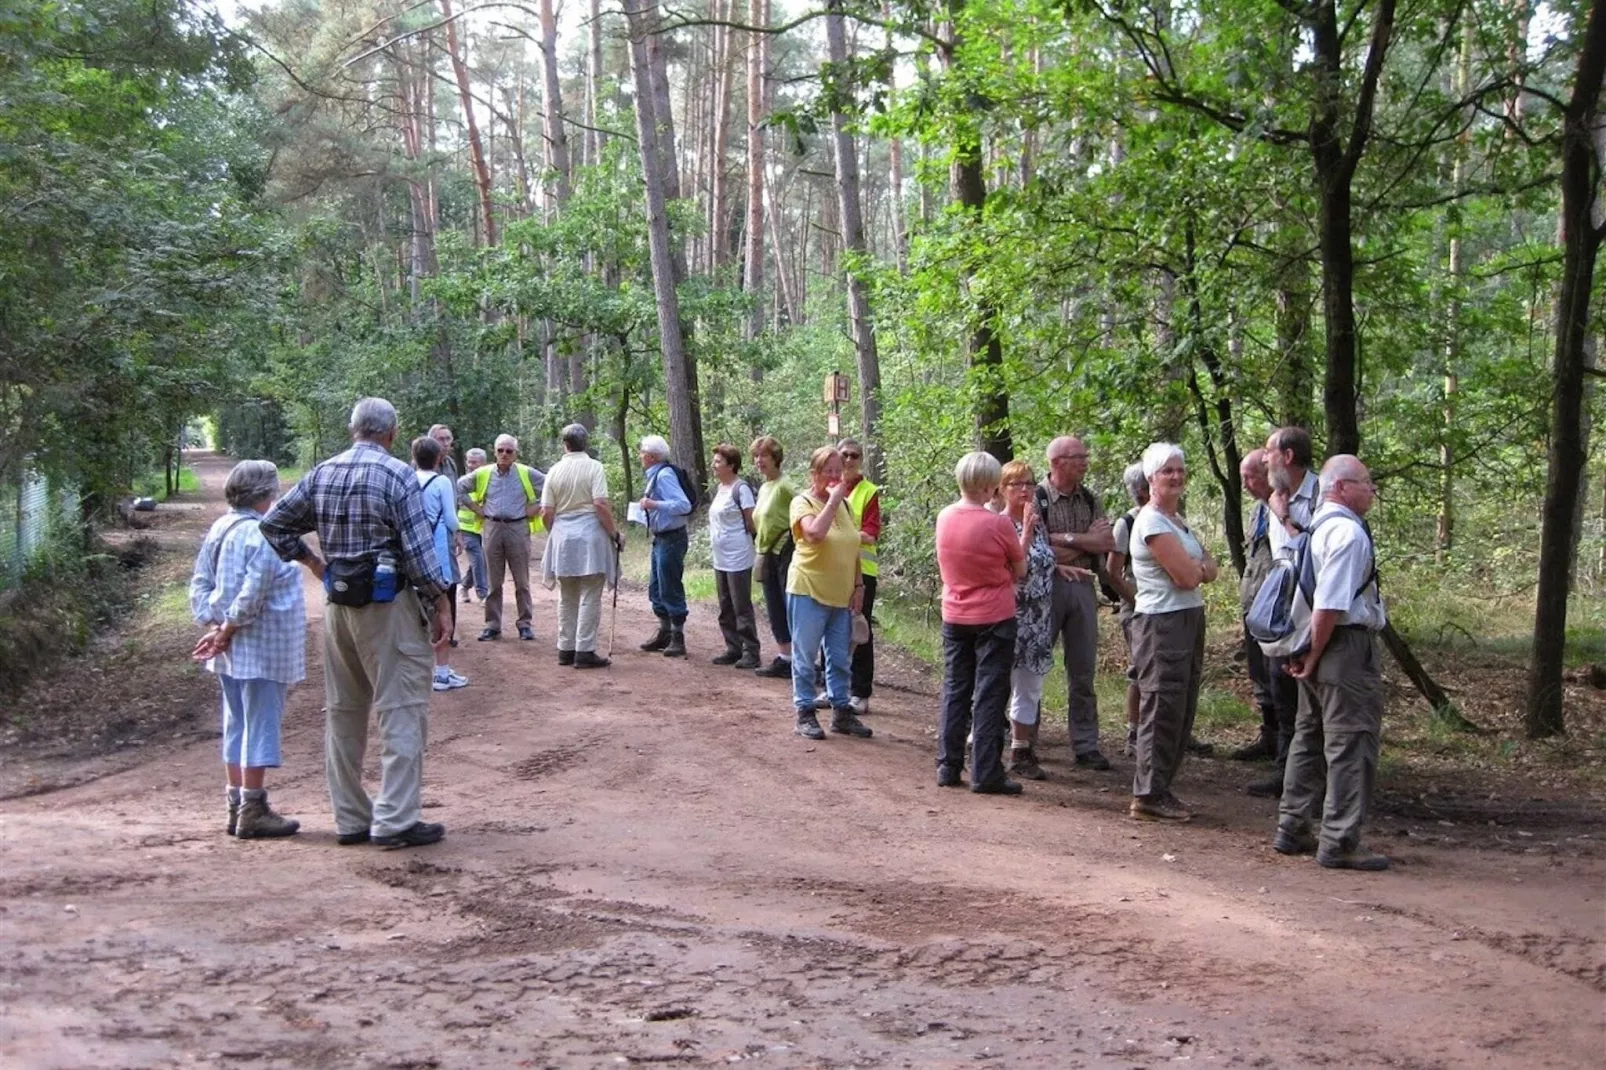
pixel 1443 709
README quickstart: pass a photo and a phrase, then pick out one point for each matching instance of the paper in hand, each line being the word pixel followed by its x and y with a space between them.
pixel 636 514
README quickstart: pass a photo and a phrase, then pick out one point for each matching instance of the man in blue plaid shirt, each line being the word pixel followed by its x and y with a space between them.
pixel 365 503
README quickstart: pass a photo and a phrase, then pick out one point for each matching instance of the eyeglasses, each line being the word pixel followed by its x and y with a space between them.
pixel 1068 457
pixel 1367 483
pixel 1020 483
pixel 848 455
pixel 505 449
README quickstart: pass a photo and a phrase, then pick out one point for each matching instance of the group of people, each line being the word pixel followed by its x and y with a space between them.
pixel 1019 560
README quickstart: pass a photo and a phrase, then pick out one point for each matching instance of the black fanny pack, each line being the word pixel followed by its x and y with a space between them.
pixel 349 583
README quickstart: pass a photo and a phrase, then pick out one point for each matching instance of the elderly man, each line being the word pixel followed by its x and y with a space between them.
pixel 1272 691
pixel 448 462
pixel 1080 534
pixel 1340 681
pixel 506 497
pixel 383 581
pixel 471 531
pixel 581 548
pixel 1294 496
pixel 666 507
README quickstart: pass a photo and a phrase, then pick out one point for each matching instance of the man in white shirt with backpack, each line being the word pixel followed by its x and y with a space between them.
pixel 1340 682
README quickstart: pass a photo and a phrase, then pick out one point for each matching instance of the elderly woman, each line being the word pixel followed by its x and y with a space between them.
pixel 1168 630
pixel 440 510
pixel 472 530
pixel 824 588
pixel 981 556
pixel 1118 569
pixel 730 530
pixel 256 640
pixel 1034 625
pixel 581 548
pixel 774 543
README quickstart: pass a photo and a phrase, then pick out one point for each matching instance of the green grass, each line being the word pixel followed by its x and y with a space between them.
pixel 154 484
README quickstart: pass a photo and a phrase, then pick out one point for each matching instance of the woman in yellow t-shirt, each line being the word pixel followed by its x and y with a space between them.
pixel 823 591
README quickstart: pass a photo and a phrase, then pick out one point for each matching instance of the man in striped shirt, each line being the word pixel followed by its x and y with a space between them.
pixel 368 512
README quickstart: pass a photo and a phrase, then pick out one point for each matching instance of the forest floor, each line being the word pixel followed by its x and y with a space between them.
pixel 644 865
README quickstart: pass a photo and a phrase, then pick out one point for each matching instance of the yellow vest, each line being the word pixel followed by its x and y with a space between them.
pixel 467 522
pixel 482 483
pixel 858 498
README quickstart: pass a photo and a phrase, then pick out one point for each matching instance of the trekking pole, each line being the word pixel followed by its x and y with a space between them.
pixel 613 627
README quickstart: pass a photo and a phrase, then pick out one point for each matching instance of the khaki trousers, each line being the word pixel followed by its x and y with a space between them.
pixel 1341 718
pixel 579 611
pixel 376 657
pixel 507 548
pixel 1168 653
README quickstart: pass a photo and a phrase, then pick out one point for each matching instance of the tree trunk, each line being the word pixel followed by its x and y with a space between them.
pixel 753 229
pixel 845 154
pixel 1444 535
pixel 718 195
pixel 656 164
pixel 1582 234
pixel 1293 373
pixel 482 170
pixel 1335 164
pixel 594 139
pixel 557 137
pixel 1225 469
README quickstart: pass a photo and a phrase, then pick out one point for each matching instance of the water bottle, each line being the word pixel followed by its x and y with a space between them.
pixel 385 584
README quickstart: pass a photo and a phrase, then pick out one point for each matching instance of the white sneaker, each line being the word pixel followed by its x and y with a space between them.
pixel 861 706
pixel 441 683
pixel 456 680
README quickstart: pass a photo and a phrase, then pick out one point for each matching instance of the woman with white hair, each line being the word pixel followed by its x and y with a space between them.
pixel 581 548
pixel 981 556
pixel 1118 570
pixel 255 643
pixel 1168 633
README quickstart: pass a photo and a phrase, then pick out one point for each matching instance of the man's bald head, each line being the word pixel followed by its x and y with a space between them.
pixel 1345 480
pixel 1252 473
pixel 1067 463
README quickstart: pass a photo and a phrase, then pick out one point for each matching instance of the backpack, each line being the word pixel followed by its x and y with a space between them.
pixel 688 486
pixel 1279 619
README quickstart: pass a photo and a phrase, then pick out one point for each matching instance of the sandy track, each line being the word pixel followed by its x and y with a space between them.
pixel 644 865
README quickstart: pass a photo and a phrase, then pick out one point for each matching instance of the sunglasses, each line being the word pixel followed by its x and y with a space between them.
pixel 504 449
pixel 848 455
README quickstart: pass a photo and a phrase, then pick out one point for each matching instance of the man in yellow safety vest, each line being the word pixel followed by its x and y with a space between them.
pixel 506 498
pixel 472 531
pixel 864 502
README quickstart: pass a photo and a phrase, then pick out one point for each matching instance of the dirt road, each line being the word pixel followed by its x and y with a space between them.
pixel 644 865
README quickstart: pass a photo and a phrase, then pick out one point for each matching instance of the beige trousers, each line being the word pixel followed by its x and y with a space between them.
pixel 376 657
pixel 507 548
pixel 579 611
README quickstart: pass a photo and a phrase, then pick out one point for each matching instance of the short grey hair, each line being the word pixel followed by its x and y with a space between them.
pixel 250 483
pixel 656 446
pixel 1134 481
pixel 475 454
pixel 373 418
pixel 575 438
pixel 978 472
pixel 1156 456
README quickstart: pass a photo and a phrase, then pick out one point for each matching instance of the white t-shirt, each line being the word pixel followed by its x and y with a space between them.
pixel 1342 556
pixel 1301 508
pixel 727 530
pixel 1156 592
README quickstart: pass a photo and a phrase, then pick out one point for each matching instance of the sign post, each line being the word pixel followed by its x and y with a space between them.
pixel 837 391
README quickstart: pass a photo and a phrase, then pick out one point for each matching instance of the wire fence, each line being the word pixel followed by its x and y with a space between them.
pixel 27 511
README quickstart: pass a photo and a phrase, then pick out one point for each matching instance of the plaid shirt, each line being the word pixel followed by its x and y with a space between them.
pixel 239 579
pixel 1074 513
pixel 360 503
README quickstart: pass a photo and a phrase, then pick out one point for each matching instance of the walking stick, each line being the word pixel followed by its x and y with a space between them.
pixel 613 627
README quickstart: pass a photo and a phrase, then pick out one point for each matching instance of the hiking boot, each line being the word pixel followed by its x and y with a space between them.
pixel 750 660
pixel 845 723
pixel 660 640
pixel 1092 760
pixel 257 821
pixel 1293 842
pixel 1199 747
pixel 1023 763
pixel 1270 787
pixel 677 642
pixel 1161 809
pixel 490 635
pixel 730 657
pixel 588 659
pixel 420 834
pixel 1262 748
pixel 352 839
pixel 808 726
pixel 1005 786
pixel 1354 858
pixel 526 633
pixel 1131 747
pixel 778 669
pixel 565 657
pixel 948 776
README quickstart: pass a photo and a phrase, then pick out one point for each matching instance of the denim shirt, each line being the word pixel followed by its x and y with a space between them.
pixel 664 488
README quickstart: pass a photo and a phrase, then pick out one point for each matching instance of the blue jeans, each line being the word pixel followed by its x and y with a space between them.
pixel 665 590
pixel 813 625
pixel 252 712
pixel 476 563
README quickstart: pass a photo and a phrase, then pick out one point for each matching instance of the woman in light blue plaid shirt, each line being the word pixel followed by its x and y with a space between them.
pixel 256 642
